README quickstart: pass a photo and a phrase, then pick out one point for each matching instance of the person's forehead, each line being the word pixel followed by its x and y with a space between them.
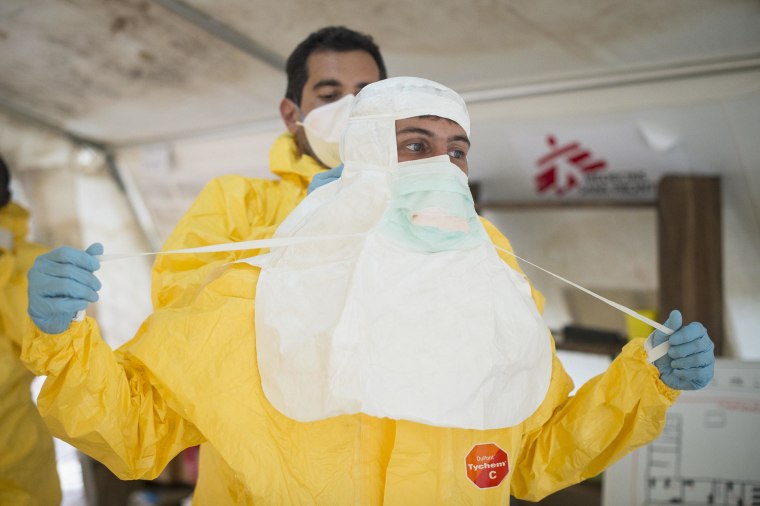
pixel 434 124
pixel 345 67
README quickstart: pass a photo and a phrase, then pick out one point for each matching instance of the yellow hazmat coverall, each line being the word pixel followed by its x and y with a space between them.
pixel 231 209
pixel 190 376
pixel 27 459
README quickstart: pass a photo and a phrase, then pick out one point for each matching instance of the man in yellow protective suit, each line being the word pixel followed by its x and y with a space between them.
pixel 27 458
pixel 196 372
pixel 326 66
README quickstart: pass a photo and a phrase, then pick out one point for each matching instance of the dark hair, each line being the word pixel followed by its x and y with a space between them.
pixel 5 181
pixel 331 38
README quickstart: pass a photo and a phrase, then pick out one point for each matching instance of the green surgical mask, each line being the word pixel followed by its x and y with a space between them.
pixel 431 208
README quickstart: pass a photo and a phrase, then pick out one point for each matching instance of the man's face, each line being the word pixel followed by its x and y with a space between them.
pixel 331 75
pixel 427 136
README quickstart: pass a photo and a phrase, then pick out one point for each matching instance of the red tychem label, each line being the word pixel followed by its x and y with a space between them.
pixel 487 465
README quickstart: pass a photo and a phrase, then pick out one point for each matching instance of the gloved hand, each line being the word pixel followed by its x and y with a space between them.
pixel 325 177
pixel 61 283
pixel 690 361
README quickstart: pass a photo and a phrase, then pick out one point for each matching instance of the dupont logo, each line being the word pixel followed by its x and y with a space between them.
pixel 564 166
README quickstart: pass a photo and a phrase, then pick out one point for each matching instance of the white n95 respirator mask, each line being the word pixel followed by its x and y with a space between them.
pixel 324 127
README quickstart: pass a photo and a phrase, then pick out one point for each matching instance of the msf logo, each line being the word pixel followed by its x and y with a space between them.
pixel 561 169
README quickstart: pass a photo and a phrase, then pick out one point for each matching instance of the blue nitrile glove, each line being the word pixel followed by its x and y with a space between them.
pixel 690 361
pixel 61 283
pixel 325 177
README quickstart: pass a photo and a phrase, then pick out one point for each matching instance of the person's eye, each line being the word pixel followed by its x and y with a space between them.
pixel 415 147
pixel 329 97
pixel 457 153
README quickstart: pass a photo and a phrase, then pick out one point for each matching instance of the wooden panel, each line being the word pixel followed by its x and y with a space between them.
pixel 690 251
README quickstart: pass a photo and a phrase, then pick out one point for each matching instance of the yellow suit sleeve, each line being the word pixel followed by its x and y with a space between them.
pixel 570 439
pixel 105 403
pixel 228 209
pixel 610 416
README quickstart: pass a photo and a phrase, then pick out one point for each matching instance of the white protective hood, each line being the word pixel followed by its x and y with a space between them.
pixel 358 322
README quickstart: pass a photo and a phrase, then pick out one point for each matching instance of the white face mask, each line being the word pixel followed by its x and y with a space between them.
pixel 324 128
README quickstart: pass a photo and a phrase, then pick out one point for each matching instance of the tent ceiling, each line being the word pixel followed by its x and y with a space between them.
pixel 134 70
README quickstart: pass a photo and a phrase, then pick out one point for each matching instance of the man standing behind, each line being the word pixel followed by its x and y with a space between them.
pixel 27 459
pixel 329 64
pixel 326 66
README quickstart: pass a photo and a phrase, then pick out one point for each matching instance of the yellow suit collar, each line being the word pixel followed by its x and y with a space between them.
pixel 286 160
pixel 15 218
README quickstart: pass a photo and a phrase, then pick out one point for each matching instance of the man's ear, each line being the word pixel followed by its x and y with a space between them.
pixel 290 114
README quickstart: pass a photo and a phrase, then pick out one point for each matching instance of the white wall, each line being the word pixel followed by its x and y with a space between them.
pixel 105 217
pixel 605 250
pixel 712 126
pixel 168 176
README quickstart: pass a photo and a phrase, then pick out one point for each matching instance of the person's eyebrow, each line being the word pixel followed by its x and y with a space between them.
pixel 462 138
pixel 415 130
pixel 325 83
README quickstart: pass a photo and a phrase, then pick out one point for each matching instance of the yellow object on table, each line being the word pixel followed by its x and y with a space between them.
pixel 635 328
